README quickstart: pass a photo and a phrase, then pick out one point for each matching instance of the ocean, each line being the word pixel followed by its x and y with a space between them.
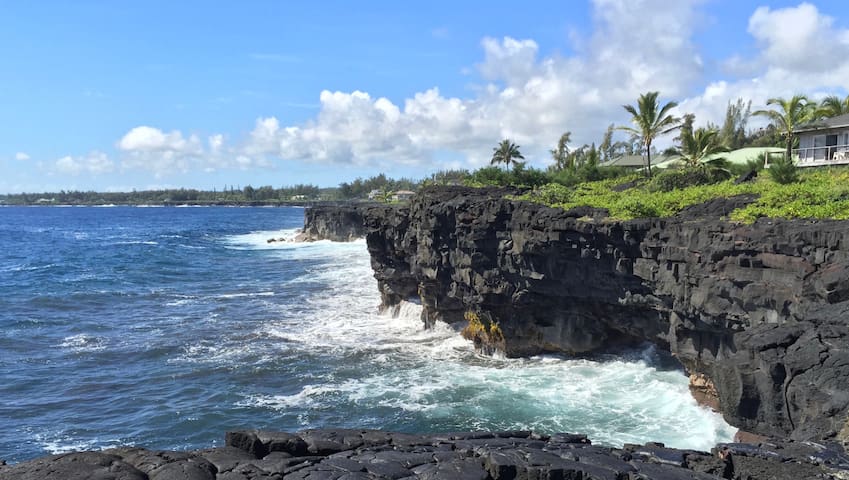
pixel 165 327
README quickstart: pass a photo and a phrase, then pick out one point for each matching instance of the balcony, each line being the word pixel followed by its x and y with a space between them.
pixel 822 156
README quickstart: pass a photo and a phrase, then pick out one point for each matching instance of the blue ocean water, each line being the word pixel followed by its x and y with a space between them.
pixel 165 327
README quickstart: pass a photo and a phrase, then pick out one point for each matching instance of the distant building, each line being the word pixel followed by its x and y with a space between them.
pixel 823 142
pixel 402 195
pixel 299 197
pixel 373 194
pixel 639 161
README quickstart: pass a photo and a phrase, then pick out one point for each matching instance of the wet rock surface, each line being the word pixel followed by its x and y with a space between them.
pixel 371 454
pixel 758 313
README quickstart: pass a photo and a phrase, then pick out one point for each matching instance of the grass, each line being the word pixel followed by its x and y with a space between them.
pixel 820 194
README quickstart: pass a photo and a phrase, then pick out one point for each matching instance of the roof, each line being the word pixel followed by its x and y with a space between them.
pixel 404 192
pixel 825 123
pixel 632 161
pixel 743 155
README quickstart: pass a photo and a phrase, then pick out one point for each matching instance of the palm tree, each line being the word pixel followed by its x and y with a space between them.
pixel 792 113
pixel 699 144
pixel 506 152
pixel 832 106
pixel 650 122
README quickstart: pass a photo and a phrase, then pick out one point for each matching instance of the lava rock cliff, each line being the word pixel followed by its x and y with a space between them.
pixel 757 314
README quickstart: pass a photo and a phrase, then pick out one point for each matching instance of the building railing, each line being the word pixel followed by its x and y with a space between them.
pixel 833 153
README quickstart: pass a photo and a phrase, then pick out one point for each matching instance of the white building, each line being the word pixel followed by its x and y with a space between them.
pixel 823 142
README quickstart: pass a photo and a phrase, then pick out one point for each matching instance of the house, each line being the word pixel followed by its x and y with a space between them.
pixel 823 142
pixel 373 194
pixel 744 155
pixel 639 161
pixel 402 195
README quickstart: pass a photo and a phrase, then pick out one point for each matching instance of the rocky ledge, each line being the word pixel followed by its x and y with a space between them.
pixel 758 315
pixel 338 223
pixel 370 454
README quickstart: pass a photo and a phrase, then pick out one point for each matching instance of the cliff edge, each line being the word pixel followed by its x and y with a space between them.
pixel 757 314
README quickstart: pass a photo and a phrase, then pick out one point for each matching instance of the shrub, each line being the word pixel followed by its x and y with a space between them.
pixel 520 176
pixel 681 178
pixel 488 176
pixel 783 171
pixel 550 194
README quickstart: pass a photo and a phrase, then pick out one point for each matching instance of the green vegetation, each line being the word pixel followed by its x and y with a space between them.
pixel 791 113
pixel 266 195
pixel 700 169
pixel 832 106
pixel 506 152
pixel 651 122
pixel 817 194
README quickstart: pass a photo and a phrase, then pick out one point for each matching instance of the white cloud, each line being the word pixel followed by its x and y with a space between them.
pixel 801 51
pixel 798 38
pixel 636 46
pixel 22 156
pixel 148 139
pixel 95 163
pixel 151 149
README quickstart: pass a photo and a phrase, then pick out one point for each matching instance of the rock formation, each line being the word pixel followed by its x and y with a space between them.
pixel 371 454
pixel 756 313
pixel 338 223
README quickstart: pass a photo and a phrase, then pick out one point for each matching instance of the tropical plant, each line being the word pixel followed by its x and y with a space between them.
pixel 733 131
pixel 699 144
pixel 506 152
pixel 783 171
pixel 560 155
pixel 650 122
pixel 385 195
pixel 791 113
pixel 832 106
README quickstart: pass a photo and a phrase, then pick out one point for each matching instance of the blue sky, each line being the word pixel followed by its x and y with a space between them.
pixel 116 95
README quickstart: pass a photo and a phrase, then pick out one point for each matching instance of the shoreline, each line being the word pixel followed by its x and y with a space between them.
pixel 376 454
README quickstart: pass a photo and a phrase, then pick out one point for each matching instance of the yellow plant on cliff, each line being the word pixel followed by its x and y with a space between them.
pixel 476 329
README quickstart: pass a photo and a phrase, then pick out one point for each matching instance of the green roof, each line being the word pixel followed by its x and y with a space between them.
pixel 636 161
pixel 743 155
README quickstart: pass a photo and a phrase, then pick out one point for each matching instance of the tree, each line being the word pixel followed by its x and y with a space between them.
pixel 697 146
pixel 560 155
pixel 650 121
pixel 686 128
pixel 733 131
pixel 792 113
pixel 506 152
pixel 607 148
pixel 832 106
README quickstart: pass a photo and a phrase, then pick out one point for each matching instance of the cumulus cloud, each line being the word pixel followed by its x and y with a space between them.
pixel 637 45
pixel 162 153
pixel 800 51
pixel 798 38
pixel 146 139
pixel 95 163
pixel 167 153
pixel 22 156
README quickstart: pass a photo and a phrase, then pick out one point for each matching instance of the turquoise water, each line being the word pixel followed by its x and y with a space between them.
pixel 164 327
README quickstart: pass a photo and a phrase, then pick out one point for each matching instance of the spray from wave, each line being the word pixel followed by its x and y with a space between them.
pixel 391 373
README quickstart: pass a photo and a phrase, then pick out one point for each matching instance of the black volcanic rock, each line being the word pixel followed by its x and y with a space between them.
pixel 757 313
pixel 338 223
pixel 371 454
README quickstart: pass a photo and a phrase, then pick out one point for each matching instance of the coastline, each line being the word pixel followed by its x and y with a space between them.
pixel 375 454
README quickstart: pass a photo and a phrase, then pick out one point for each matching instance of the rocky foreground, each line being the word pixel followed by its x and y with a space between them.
pixel 371 454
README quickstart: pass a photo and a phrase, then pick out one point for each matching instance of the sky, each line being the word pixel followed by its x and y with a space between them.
pixel 119 95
